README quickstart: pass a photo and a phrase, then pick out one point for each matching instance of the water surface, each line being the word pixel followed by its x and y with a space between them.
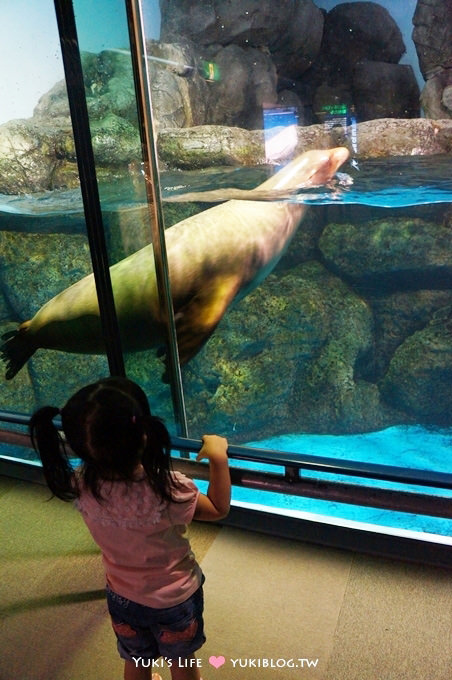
pixel 389 183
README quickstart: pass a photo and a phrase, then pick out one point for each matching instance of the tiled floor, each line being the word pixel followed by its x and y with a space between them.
pixel 274 608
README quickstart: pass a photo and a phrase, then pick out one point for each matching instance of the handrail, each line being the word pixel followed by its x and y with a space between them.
pixel 304 461
pixel 14 418
pixel 296 485
pixel 293 462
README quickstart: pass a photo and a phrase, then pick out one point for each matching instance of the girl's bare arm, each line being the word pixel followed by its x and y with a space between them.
pixel 215 505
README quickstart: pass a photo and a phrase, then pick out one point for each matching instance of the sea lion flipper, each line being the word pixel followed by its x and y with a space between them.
pixel 197 320
pixel 16 350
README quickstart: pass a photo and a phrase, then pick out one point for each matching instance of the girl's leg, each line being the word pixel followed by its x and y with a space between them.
pixel 179 672
pixel 134 672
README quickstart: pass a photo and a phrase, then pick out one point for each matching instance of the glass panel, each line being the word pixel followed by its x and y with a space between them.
pixel 340 347
pixel 313 316
pixel 43 248
pixel 106 60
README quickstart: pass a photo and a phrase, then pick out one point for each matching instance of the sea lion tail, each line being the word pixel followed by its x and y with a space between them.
pixel 16 350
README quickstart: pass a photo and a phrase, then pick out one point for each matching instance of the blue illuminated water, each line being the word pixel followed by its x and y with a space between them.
pixel 402 446
pixel 381 182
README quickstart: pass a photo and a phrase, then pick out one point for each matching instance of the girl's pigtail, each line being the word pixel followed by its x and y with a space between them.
pixel 156 458
pixel 47 442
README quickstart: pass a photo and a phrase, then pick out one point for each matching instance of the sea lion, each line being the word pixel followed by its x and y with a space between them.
pixel 215 258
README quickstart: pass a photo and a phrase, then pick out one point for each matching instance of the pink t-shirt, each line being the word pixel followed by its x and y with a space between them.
pixel 146 555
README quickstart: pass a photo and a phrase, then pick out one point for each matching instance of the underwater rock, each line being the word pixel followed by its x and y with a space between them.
pixel 332 401
pixel 331 398
pixel 419 377
pixel 46 368
pixel 43 264
pixel 40 264
pixel 304 245
pixel 283 361
pixel 397 317
pixel 146 369
pixel 396 253
pixel 301 353
pixel 4 308
pixel 382 90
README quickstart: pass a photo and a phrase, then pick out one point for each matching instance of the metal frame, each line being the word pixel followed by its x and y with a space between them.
pixel 151 173
pixel 88 183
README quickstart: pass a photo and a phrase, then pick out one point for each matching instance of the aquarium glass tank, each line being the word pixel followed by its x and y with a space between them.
pixel 274 188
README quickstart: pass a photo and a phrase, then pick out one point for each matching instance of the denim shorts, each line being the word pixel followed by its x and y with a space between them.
pixel 151 633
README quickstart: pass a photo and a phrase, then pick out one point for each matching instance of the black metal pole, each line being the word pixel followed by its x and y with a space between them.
pixel 149 152
pixel 88 183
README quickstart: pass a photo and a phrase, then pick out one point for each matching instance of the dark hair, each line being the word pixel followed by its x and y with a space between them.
pixel 109 425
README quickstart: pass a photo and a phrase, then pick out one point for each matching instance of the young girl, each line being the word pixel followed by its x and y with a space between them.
pixel 136 509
